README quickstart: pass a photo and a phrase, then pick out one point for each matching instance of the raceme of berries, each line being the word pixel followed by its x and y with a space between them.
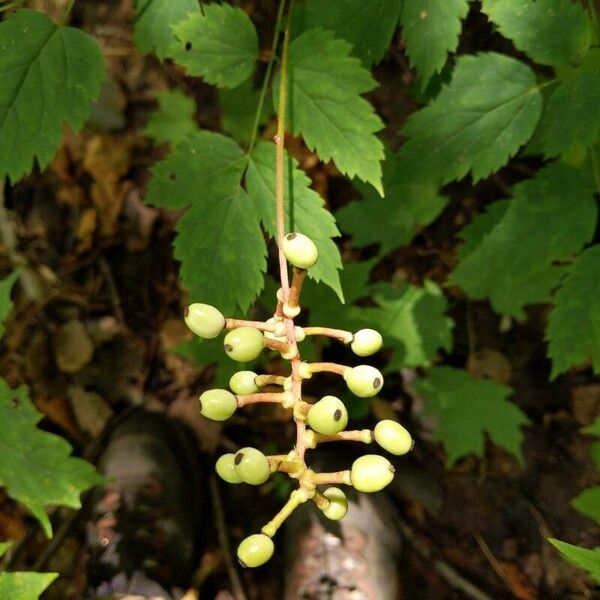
pixel 323 421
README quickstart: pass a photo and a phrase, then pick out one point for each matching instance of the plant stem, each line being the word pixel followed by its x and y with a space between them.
pixel 338 334
pixel 261 325
pixel 288 508
pixel 336 477
pixel 327 367
pixel 262 380
pixel 260 397
pixel 267 78
pixel 67 13
pixel 359 435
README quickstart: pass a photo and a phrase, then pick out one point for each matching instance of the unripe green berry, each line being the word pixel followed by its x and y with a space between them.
pixel 328 415
pixel 338 504
pixel 364 380
pixel 226 469
pixel 255 550
pixel 391 436
pixel 371 473
pixel 244 382
pixel 300 250
pixel 366 342
pixel 252 466
pixel 244 343
pixel 204 320
pixel 217 404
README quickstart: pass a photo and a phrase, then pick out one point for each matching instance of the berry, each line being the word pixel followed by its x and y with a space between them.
pixel 217 404
pixel 300 250
pixel 255 550
pixel 243 382
pixel 252 466
pixel 226 470
pixel 391 436
pixel 371 473
pixel 244 343
pixel 338 504
pixel 364 380
pixel 204 320
pixel 366 342
pixel 328 415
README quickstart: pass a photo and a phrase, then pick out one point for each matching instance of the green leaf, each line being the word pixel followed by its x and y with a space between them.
pixel 551 32
pixel 219 241
pixel 173 120
pixel 24 586
pixel 413 321
pixel 35 466
pixel 368 25
pixel 512 273
pixel 238 108
pixel 6 285
pixel 588 503
pixel 571 116
pixel 482 224
pixel 477 122
pixel 573 331
pixel 326 107
pixel 152 29
pixel 589 560
pixel 394 220
pixel 219 44
pixel 305 211
pixel 467 408
pixel 430 30
pixel 50 76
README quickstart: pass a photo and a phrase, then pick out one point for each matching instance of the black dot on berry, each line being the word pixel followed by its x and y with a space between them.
pixel 188 46
pixel 337 415
pixel 238 458
pixel 290 236
pixel 376 382
pixel 172 176
pixel 228 347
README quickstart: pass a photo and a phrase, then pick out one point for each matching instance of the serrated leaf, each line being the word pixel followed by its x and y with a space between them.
pixel 573 331
pixel 551 32
pixel 173 120
pixel 467 409
pixel 482 224
pixel 50 76
pixel 395 219
pixel 219 44
pixel 368 25
pixel 512 273
pixel 23 585
pixel 588 503
pixel 589 560
pixel 152 27
pixel 430 30
pixel 6 285
pixel 326 107
pixel 238 108
pixel 571 116
pixel 477 122
pixel 304 209
pixel 36 467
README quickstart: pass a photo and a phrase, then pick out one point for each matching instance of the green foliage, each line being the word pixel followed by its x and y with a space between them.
pixel 35 467
pixel 22 586
pixel 551 32
pixel 50 76
pixel 326 106
pixel 6 285
pixel 467 408
pixel 573 331
pixel 476 123
pixel 589 560
pixel 512 273
pixel 430 30
pixel 219 44
pixel 153 23
pixel 588 503
pixel 173 120
pixel 367 24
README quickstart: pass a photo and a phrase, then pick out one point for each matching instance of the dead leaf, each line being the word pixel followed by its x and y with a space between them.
pixel 91 411
pixel 490 364
pixel 58 410
pixel 73 348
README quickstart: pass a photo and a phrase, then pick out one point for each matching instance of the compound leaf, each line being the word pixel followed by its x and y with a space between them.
pixel 573 331
pixel 551 32
pixel 50 76
pixel 467 409
pixel 367 24
pixel 173 120
pixel 219 241
pixel 588 560
pixel 219 44
pixel 476 123
pixel 326 107
pixel 430 30
pixel 513 264
pixel 152 28
pixel 35 466
pixel 305 211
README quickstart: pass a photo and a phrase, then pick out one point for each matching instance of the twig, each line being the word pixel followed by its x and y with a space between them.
pixel 115 300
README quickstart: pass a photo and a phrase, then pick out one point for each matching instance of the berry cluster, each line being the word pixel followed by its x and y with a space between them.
pixel 323 421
